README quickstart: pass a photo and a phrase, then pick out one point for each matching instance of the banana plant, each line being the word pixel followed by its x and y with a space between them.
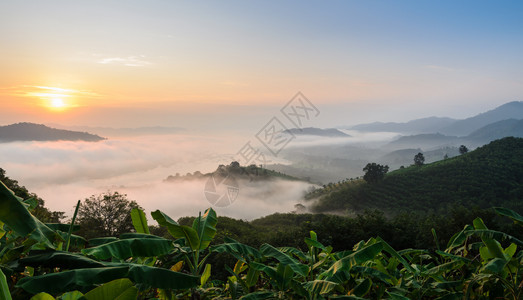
pixel 33 249
pixel 196 239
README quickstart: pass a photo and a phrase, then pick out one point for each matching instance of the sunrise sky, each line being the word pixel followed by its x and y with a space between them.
pixel 206 63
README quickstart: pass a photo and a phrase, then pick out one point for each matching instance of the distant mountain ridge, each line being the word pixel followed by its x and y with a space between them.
pixel 510 127
pixel 329 132
pixel 448 126
pixel 39 132
pixel 136 131
pixel 418 126
pixel 510 110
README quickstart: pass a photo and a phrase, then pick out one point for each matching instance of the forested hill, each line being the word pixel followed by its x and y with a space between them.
pixel 38 132
pixel 491 175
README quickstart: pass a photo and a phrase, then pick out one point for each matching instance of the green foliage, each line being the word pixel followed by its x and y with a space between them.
pixel 487 177
pixel 119 289
pixel 463 149
pixel 14 214
pixel 419 159
pixel 374 172
pixel 4 288
pixel 107 214
pixel 139 221
pixel 478 263
pixel 38 209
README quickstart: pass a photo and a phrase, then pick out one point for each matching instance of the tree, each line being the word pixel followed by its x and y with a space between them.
pixel 374 172
pixel 419 159
pixel 107 214
pixel 463 149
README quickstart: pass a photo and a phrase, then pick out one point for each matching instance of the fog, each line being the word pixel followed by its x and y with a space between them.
pixel 64 172
pixel 374 139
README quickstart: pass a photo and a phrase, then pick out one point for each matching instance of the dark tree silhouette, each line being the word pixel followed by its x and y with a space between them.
pixel 107 214
pixel 419 159
pixel 374 172
pixel 463 149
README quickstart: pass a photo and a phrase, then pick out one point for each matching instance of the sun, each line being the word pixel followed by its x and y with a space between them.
pixel 57 103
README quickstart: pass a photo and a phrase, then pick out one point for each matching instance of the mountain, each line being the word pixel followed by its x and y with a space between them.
pixel 39 132
pixel 404 157
pixel 330 132
pixel 424 125
pixel 511 110
pixel 251 173
pixel 489 176
pixel 425 141
pixel 138 131
pixel 510 127
pixel 447 126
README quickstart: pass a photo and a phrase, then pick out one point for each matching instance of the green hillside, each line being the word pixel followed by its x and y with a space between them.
pixel 489 176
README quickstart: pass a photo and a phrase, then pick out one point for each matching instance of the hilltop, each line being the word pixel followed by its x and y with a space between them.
pixel 329 132
pixel 511 110
pixel 491 175
pixel 251 173
pixel 448 126
pixel 418 126
pixel 39 132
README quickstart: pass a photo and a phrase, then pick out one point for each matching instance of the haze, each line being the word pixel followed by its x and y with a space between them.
pixel 222 70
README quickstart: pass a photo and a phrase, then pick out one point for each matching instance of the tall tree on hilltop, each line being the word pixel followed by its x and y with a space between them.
pixel 463 149
pixel 374 172
pixel 419 159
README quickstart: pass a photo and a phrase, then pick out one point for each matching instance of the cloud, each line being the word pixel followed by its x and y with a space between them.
pixel 47 92
pixel 129 61
pixel 355 138
pixel 63 172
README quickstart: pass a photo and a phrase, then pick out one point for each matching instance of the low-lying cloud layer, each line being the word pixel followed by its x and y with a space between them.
pixel 63 172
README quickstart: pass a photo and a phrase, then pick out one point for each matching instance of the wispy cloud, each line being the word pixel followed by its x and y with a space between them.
pixel 46 92
pixel 129 61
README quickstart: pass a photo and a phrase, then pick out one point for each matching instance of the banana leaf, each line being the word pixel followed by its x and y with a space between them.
pixel 320 287
pixel 4 288
pixel 15 215
pixel 42 296
pixel 240 251
pixel 206 227
pixel 123 249
pixel 269 251
pixel 59 259
pixel 517 218
pixel 139 221
pixel 119 289
pixel 84 279
pixel 101 240
pixel 178 231
pixel 345 264
pixel 78 279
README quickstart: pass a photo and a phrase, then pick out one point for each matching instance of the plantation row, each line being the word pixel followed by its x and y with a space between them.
pixel 47 261
pixel 488 176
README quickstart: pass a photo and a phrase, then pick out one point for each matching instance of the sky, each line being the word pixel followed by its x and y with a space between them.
pixel 219 64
